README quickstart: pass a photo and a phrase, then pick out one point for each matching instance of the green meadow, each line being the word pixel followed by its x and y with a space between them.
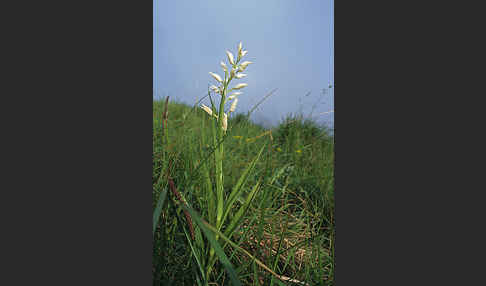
pixel 267 219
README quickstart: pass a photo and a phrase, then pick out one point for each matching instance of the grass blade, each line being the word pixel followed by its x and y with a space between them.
pixel 239 214
pixel 257 261
pixel 158 209
pixel 216 246
pixel 239 185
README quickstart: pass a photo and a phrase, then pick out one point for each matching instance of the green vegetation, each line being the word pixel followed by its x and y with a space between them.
pixel 279 226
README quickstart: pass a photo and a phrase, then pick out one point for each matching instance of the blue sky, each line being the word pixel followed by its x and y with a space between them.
pixel 291 43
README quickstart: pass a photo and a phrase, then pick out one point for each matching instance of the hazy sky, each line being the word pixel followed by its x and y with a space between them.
pixel 291 43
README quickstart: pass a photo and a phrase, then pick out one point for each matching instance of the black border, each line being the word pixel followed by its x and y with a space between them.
pixel 79 143
pixel 407 205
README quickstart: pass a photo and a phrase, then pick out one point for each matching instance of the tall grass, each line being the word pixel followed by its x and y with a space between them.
pixel 240 205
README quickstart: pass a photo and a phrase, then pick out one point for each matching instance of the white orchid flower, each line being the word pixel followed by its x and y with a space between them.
pixel 239 49
pixel 240 86
pixel 216 77
pixel 233 105
pixel 240 75
pixel 230 57
pixel 234 95
pixel 223 65
pixel 207 109
pixel 233 72
pixel 225 121
pixel 243 65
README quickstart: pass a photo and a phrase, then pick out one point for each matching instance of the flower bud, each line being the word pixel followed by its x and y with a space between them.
pixel 207 109
pixel 216 77
pixel 233 105
pixel 240 75
pixel 214 88
pixel 225 121
pixel 223 65
pixel 230 57
pixel 239 49
pixel 243 65
pixel 234 95
pixel 233 72
pixel 240 86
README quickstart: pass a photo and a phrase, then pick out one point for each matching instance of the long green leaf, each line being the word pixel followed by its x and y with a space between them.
pixel 158 209
pixel 195 253
pixel 235 221
pixel 216 246
pixel 279 173
pixel 239 185
pixel 211 228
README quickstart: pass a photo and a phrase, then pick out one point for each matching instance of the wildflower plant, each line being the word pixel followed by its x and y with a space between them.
pixel 220 204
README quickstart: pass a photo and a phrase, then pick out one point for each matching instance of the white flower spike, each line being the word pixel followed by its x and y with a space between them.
pixel 230 57
pixel 240 75
pixel 240 86
pixel 243 53
pixel 216 77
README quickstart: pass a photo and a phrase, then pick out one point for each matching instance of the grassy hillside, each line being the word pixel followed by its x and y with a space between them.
pixel 287 230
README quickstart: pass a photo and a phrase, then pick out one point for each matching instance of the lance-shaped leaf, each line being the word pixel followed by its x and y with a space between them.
pixel 158 209
pixel 214 243
pixel 238 188
pixel 236 220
